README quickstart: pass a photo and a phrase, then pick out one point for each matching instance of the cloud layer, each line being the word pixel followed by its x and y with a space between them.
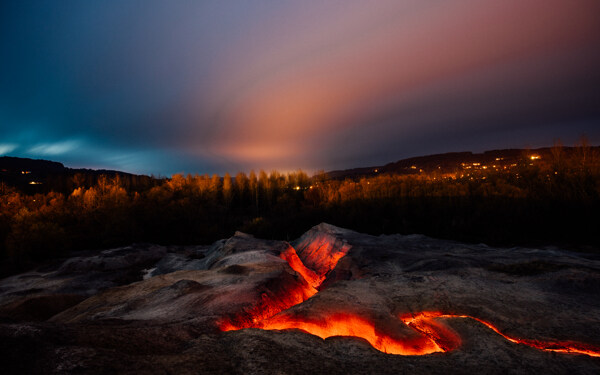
pixel 213 86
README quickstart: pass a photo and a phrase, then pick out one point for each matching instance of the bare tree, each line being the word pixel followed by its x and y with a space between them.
pixel 557 151
pixel 583 152
pixel 227 189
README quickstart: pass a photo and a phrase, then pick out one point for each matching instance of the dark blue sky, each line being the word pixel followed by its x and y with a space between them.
pixel 221 86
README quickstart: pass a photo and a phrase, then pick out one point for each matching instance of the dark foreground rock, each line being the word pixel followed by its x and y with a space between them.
pixel 151 309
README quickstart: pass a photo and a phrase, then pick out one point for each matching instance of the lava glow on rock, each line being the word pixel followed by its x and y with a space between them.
pixel 294 261
pixel 428 333
pixel 347 324
pixel 422 320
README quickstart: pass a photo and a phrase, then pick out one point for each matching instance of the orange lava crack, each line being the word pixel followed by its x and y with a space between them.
pixel 430 335
pixel 418 319
pixel 439 339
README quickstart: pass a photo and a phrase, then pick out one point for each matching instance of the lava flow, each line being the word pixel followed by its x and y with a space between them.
pixel 422 322
pixel 322 253
pixel 438 339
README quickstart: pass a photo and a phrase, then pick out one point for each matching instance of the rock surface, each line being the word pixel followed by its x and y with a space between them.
pixel 217 309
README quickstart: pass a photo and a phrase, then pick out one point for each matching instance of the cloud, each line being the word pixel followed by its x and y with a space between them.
pixel 214 86
pixel 6 148
pixel 55 148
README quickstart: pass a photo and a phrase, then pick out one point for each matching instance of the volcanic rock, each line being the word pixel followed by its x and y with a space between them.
pixel 334 301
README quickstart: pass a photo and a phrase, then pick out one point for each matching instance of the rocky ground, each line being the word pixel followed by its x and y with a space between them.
pixel 243 306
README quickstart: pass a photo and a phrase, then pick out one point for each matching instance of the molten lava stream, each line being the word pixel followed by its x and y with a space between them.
pixel 270 304
pixel 324 257
pixel 346 324
pixel 273 303
pixel 430 335
pixel 418 320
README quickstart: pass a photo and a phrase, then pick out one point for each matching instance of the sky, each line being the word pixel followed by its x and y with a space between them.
pixel 163 87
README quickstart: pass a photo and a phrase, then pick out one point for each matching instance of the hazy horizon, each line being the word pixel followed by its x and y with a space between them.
pixel 315 171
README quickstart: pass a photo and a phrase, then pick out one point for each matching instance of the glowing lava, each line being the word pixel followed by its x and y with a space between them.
pixel 347 324
pixel 309 275
pixel 271 303
pixel 422 322
pixel 322 253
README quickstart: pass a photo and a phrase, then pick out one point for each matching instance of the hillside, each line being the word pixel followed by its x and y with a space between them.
pixel 41 176
pixel 456 162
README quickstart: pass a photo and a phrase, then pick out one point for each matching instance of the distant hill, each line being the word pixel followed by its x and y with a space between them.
pixel 454 162
pixel 38 176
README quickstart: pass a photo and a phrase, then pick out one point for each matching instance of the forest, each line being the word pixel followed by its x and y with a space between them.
pixel 551 202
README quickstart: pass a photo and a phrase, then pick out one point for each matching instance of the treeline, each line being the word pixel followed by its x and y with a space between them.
pixel 33 176
pixel 556 202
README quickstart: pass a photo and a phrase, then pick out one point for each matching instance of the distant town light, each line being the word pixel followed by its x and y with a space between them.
pixel 535 157
pixel 35 183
